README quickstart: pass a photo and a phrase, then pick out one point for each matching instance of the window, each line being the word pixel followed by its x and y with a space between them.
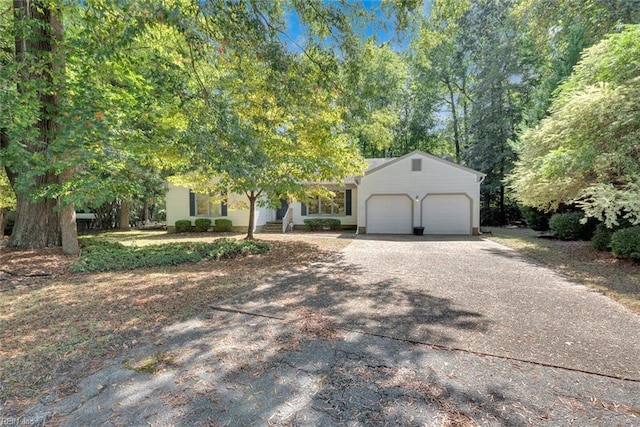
pixel 416 165
pixel 328 206
pixel 203 206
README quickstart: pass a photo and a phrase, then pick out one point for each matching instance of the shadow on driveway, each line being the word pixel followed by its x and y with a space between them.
pixel 382 307
pixel 414 238
pixel 304 349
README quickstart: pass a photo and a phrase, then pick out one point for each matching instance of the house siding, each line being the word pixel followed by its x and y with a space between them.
pixel 177 199
pixel 435 177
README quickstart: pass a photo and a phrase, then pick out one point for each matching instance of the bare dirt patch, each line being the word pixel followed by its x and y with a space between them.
pixel 33 263
pixel 56 326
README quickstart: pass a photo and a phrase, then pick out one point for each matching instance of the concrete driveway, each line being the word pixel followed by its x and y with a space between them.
pixel 393 331
pixel 465 293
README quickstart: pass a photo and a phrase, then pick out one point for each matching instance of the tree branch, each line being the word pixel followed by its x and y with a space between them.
pixel 304 51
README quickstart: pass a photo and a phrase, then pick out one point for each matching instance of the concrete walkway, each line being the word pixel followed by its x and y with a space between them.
pixel 404 331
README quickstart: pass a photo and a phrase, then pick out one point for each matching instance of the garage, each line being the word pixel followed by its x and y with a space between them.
pixel 446 214
pixel 389 214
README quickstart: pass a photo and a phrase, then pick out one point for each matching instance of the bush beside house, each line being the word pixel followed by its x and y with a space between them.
pixel 202 224
pixel 223 225
pixel 601 239
pixel 318 224
pixel 183 225
pixel 625 243
pixel 535 219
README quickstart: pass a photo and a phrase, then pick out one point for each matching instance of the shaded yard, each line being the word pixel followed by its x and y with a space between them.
pixel 56 327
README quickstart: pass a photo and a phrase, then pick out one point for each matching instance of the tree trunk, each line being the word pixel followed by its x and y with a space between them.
pixel 69 230
pixel 124 215
pixel 3 216
pixel 38 223
pixel 145 211
pixel 68 225
pixel 454 115
pixel 465 114
pixel 252 214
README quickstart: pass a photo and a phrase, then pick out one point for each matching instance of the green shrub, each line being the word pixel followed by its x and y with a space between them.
pixel 625 243
pixel 183 225
pixel 535 219
pixel 315 224
pixel 223 225
pixel 99 255
pixel 568 226
pixel 202 224
pixel 601 239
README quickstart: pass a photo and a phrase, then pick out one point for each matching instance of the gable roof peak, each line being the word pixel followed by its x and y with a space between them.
pixel 377 164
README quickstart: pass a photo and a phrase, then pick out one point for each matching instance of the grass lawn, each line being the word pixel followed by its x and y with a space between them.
pixel 57 326
pixel 579 261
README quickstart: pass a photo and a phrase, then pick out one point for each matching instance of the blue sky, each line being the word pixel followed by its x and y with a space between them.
pixel 383 29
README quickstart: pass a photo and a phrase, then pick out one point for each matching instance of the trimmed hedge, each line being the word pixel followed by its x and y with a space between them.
pixel 567 226
pixel 625 243
pixel 183 225
pixel 223 225
pixel 202 224
pixel 316 224
pixel 601 239
pixel 100 255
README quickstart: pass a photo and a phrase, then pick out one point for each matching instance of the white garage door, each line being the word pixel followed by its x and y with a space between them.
pixel 389 215
pixel 446 214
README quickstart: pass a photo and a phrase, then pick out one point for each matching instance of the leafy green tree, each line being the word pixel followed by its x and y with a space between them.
pixel 270 121
pixel 502 79
pixel 77 97
pixel 558 31
pixel 31 82
pixel 442 68
pixel 267 134
pixel 375 87
pixel 586 151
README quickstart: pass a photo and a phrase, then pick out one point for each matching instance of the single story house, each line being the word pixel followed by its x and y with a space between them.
pixel 394 196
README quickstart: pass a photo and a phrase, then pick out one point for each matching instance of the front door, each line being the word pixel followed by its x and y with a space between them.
pixel 280 213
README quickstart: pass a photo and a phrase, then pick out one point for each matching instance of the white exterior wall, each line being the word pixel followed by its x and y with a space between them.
pixel 298 219
pixel 436 177
pixel 177 204
pixel 177 201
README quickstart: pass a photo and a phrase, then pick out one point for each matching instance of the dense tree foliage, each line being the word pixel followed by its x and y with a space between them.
pixel 492 68
pixel 101 100
pixel 587 151
pixel 267 134
pixel 93 93
pixel 83 88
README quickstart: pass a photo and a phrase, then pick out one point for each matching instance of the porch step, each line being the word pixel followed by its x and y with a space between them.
pixel 272 227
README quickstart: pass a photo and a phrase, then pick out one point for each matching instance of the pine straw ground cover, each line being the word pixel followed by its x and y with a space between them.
pixel 618 279
pixel 57 326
